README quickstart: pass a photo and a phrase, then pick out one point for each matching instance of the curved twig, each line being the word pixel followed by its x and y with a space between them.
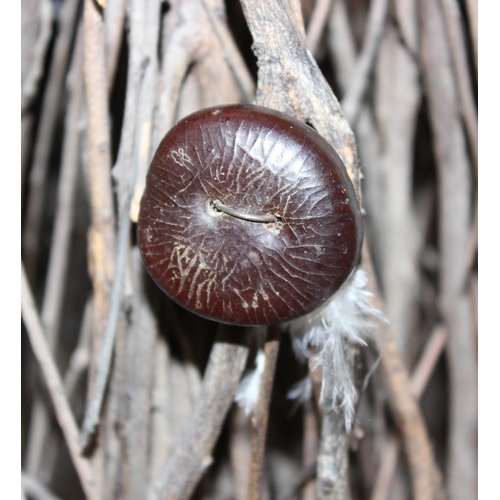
pixel 55 386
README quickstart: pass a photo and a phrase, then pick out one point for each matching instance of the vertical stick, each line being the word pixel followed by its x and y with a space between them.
pixel 261 415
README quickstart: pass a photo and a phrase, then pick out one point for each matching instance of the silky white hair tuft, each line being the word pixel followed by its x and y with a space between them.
pixel 247 394
pixel 347 316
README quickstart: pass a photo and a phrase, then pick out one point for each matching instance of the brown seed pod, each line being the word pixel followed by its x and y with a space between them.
pixel 248 216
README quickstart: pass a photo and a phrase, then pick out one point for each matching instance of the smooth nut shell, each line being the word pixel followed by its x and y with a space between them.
pixel 256 161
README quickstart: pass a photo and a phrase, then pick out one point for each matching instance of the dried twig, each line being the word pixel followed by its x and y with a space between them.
pixel 35 489
pixel 428 360
pixel 138 384
pixel 466 96
pixel 426 480
pixel 101 233
pixel 55 386
pixel 317 24
pixel 260 416
pixel 190 40
pixel 296 6
pixel 332 475
pixel 343 49
pixel 454 178
pixel 51 108
pixel 463 82
pixel 310 446
pixel 125 172
pixel 397 102
pixel 31 80
pixel 232 55
pixel 418 382
pixel 289 79
pixel 193 453
pixel 351 103
pixel 80 357
pixel 59 255
pixel 114 21
pixel 473 24
pixel 161 431
pixel 144 128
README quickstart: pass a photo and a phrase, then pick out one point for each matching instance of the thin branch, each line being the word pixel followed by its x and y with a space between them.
pixel 310 445
pixel 428 361
pixel 125 173
pixel 232 55
pixel 190 40
pixel 462 74
pixel 193 453
pixel 454 183
pixel 63 223
pixel 420 378
pixel 36 489
pixel 139 369
pixel 463 82
pixel 113 25
pixel 59 252
pixel 426 478
pixel 397 100
pixel 387 467
pixel 317 24
pixel 31 82
pixel 261 414
pixel 306 476
pixel 473 24
pixel 351 103
pixel 101 234
pixel 332 470
pixel 342 46
pixel 80 357
pixel 144 129
pixel 49 115
pixel 55 386
pixel 296 7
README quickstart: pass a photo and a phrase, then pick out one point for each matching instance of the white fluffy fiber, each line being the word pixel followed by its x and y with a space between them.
pixel 347 316
pixel 247 394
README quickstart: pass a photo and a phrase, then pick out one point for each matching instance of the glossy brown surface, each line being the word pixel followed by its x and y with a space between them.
pixel 261 163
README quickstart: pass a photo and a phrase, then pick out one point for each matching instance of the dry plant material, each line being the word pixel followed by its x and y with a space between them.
pixel 351 103
pixel 57 269
pixel 193 453
pixel 260 416
pixel 454 215
pixel 136 69
pixel 102 231
pixel 125 171
pixel 49 115
pixel 55 385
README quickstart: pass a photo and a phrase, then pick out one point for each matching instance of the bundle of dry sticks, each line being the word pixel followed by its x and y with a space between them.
pixel 125 395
